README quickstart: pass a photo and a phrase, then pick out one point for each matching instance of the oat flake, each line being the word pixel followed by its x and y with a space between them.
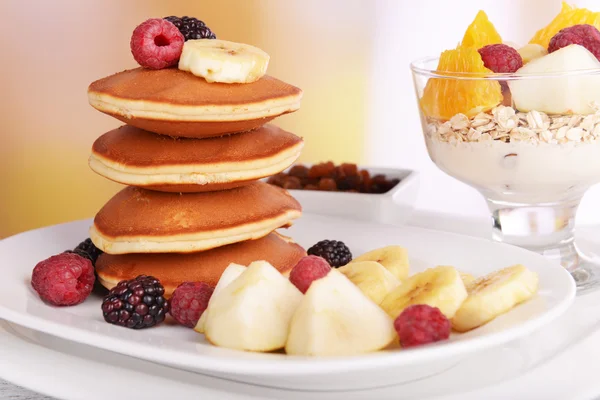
pixel 504 124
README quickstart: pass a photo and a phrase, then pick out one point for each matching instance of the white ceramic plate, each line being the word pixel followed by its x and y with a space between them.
pixel 67 370
pixel 183 348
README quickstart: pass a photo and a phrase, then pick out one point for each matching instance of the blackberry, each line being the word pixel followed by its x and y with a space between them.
pixel 191 28
pixel 137 303
pixel 88 250
pixel 336 253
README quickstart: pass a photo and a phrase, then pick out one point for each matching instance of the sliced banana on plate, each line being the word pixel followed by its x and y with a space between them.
pixel 223 61
pixel 393 258
pixel 466 277
pixel 371 278
pixel 493 295
pixel 440 287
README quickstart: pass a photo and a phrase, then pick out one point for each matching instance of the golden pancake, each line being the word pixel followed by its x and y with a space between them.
pixel 138 220
pixel 136 157
pixel 205 266
pixel 178 103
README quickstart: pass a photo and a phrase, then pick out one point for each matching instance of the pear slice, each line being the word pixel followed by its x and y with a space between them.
pixel 336 319
pixel 565 94
pixel 229 275
pixel 372 278
pixel 254 311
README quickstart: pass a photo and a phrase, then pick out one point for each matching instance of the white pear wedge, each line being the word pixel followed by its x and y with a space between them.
pixel 229 275
pixel 254 311
pixel 335 319
pixel 566 94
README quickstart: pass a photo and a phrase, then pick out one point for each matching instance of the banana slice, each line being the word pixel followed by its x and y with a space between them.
pixel 393 258
pixel 440 287
pixel 466 278
pixel 371 278
pixel 222 61
pixel 493 295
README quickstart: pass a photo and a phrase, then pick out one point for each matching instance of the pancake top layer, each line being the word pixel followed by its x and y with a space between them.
pixel 135 212
pixel 205 266
pixel 128 145
pixel 176 87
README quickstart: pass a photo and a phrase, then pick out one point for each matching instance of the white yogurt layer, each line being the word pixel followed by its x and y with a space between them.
pixel 520 171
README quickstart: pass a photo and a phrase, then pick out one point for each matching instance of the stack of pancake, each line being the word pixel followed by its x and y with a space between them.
pixel 192 154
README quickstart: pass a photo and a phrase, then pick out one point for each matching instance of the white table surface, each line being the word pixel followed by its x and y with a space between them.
pixel 567 375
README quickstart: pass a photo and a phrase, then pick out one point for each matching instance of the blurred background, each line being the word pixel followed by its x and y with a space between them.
pixel 349 56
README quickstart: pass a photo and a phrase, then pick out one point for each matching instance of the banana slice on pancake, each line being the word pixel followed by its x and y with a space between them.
pixel 223 61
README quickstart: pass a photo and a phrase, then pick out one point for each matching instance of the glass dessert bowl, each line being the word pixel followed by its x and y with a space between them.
pixel 528 140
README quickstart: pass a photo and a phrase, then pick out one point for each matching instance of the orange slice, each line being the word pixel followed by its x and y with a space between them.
pixel 481 32
pixel 445 97
pixel 568 16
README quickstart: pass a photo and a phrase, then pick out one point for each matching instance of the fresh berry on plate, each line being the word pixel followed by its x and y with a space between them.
pixel 156 44
pixel 336 253
pixel 137 303
pixel 501 58
pixel 88 250
pixel 65 279
pixel 584 35
pixel 308 269
pixel 189 301
pixel 191 28
pixel 421 324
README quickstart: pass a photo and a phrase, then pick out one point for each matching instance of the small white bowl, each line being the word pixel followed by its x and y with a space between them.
pixel 393 207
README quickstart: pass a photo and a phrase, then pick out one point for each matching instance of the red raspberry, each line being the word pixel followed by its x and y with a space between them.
pixel 189 301
pixel 501 58
pixel 421 324
pixel 308 269
pixel 156 44
pixel 63 280
pixel 584 35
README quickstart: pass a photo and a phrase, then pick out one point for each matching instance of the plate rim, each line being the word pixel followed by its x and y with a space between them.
pixel 298 366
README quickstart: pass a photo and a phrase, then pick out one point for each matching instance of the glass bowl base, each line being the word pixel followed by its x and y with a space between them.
pixel 587 277
pixel 548 229
pixel 585 270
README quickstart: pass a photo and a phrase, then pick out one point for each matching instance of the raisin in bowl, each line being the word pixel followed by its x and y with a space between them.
pixel 383 195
